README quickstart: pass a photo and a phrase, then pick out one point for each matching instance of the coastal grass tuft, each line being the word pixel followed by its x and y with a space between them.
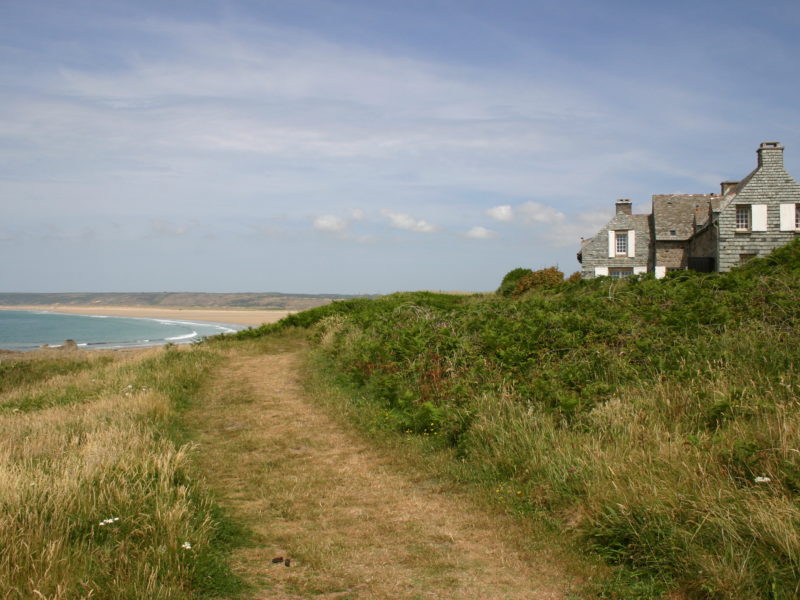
pixel 97 500
pixel 21 371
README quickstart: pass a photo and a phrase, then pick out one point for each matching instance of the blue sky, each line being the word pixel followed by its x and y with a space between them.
pixel 347 146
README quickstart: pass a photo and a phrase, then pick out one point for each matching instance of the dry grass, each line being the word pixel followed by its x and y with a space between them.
pixel 94 501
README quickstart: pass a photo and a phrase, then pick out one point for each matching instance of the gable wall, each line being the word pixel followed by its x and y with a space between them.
pixel 770 185
pixel 595 251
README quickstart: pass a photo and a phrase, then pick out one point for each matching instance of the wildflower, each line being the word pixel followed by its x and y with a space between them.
pixel 186 546
pixel 105 522
pixel 762 480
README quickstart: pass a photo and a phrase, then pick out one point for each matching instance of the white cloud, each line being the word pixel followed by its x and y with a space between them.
pixel 165 228
pixel 357 214
pixel 503 212
pixel 570 230
pixel 330 223
pixel 480 233
pixel 409 223
pixel 533 212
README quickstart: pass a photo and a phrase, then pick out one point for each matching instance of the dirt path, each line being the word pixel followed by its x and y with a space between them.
pixel 352 525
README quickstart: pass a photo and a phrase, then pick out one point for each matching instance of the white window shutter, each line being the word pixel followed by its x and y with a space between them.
pixel 601 271
pixel 612 250
pixel 787 217
pixel 759 217
pixel 639 270
pixel 631 243
pixel 661 272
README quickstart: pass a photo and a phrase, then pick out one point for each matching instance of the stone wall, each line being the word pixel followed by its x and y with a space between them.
pixel 671 255
pixel 704 244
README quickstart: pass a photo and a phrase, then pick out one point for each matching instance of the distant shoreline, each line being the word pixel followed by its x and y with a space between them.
pixel 233 316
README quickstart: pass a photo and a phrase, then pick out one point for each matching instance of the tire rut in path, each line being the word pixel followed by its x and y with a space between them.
pixel 351 522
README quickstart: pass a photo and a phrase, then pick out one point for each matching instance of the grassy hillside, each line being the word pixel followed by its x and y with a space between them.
pixel 657 421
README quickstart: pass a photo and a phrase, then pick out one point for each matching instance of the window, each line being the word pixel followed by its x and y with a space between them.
pixel 622 242
pixel 797 216
pixel 619 272
pixel 743 258
pixel 743 217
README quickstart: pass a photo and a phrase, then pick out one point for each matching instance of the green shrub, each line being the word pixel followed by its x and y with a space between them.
pixel 509 283
pixel 542 279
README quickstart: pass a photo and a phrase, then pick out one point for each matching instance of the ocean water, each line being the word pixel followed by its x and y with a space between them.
pixel 28 330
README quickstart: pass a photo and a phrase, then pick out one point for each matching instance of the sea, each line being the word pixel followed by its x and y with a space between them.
pixel 29 330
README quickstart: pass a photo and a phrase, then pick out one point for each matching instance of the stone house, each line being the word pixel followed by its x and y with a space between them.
pixel 704 232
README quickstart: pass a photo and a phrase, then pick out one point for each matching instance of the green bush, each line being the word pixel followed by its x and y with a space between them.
pixel 542 279
pixel 509 283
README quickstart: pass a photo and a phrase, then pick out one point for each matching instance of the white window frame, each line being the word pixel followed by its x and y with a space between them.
pixel 616 273
pixel 621 243
pixel 743 217
pixel 630 252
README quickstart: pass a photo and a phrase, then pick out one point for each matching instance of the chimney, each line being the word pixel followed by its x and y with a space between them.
pixel 624 206
pixel 770 154
pixel 727 186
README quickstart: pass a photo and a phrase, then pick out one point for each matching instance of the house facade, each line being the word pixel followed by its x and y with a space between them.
pixel 704 232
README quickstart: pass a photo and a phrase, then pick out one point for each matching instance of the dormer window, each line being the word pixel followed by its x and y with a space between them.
pixel 622 243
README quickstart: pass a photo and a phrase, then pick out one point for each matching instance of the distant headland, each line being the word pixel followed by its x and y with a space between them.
pixel 259 301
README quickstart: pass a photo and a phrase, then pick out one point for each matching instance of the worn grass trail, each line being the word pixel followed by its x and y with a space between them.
pixel 353 522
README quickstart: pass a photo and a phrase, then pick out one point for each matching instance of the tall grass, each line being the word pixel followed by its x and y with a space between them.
pixel 96 501
pixel 657 420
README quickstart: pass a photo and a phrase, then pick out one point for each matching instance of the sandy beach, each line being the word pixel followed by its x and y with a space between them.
pixel 214 315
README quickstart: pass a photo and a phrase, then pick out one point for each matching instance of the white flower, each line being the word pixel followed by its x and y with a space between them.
pixel 109 521
pixel 762 480
pixel 186 546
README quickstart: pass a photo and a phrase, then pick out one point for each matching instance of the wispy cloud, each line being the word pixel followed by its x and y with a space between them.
pixel 533 212
pixel 501 213
pixel 160 227
pixel 408 223
pixel 480 233
pixel 330 223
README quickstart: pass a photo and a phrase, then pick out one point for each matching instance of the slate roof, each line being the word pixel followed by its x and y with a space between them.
pixel 680 213
pixel 642 224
